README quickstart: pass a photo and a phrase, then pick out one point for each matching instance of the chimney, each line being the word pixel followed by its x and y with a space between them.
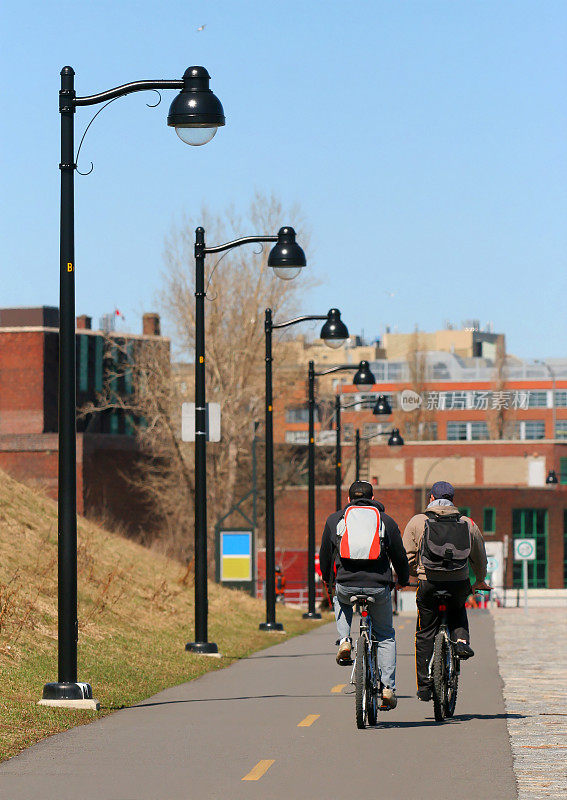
pixel 150 325
pixel 84 322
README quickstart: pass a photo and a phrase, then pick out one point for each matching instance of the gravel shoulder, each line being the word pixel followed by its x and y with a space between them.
pixel 532 658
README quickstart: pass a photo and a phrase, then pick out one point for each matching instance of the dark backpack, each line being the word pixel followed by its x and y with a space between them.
pixel 445 545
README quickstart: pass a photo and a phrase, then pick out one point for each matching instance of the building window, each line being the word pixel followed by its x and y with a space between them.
pixel 394 371
pixel 561 429
pixel 531 523
pixel 372 429
pixel 457 431
pixel 83 365
pixel 532 429
pixel 561 399
pixel 379 370
pixel 489 520
pixel 467 431
pixel 479 430
pixel 99 366
pixel 465 511
pixel 296 437
pixel 299 414
pixel 424 431
pixel 537 399
pixel 563 470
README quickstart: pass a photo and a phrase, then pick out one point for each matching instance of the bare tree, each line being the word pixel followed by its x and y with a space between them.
pixel 416 425
pixel 239 286
pixel 501 416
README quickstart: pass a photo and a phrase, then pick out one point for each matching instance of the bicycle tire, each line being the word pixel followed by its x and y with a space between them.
pixel 372 696
pixel 453 689
pixel 439 677
pixel 360 670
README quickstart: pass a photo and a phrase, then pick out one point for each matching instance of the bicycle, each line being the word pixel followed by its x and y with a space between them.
pixel 445 665
pixel 365 676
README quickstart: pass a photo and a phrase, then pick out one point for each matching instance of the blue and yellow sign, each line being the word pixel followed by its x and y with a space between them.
pixel 236 556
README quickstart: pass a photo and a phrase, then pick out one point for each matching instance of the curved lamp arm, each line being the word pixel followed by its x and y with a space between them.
pixel 335 369
pixel 237 242
pixel 296 320
pixel 126 88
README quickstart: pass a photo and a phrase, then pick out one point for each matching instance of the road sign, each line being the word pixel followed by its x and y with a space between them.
pixel 524 550
pixel 212 424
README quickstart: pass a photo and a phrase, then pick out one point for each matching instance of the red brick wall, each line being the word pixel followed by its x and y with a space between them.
pixel 21 382
pixel 34 459
pixel 402 503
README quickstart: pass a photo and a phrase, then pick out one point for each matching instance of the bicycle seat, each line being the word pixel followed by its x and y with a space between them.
pixel 361 598
pixel 442 594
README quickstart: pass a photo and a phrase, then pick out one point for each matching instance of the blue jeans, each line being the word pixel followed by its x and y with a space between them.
pixel 380 612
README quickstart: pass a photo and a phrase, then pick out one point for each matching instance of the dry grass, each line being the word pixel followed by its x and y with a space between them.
pixel 135 615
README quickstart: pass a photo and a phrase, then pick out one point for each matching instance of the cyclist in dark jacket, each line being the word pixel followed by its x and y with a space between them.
pixel 457 583
pixel 371 577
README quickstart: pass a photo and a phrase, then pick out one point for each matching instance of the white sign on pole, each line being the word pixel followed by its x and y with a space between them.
pixel 213 420
pixel 525 550
pixel 495 566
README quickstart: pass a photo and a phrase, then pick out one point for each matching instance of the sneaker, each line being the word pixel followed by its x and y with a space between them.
pixel 425 694
pixel 389 699
pixel 463 650
pixel 344 652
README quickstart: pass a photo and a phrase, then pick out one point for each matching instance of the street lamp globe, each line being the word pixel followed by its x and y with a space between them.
pixel 382 407
pixel 395 439
pixel 334 332
pixel 286 258
pixel 363 376
pixel 196 113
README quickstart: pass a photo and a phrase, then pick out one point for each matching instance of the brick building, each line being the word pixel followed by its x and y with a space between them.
pixel 494 429
pixel 106 448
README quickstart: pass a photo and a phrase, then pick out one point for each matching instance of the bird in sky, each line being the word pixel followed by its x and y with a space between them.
pixel 201 27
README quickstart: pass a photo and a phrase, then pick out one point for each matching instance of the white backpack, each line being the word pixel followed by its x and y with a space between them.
pixel 360 532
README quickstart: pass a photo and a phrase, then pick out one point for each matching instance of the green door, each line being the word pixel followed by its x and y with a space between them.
pixel 531 523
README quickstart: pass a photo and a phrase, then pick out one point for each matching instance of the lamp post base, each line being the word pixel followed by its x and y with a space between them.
pixel 271 626
pixel 69 695
pixel 312 615
pixel 203 649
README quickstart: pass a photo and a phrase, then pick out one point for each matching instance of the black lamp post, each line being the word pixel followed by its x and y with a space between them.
pixel 334 333
pixel 551 479
pixel 196 114
pixel 394 440
pixel 287 260
pixel 363 376
pixel 381 407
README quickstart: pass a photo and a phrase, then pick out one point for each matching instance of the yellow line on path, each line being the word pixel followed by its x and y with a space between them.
pixel 260 769
pixel 338 688
pixel 309 720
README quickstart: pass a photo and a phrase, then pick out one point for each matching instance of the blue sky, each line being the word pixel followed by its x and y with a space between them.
pixel 424 139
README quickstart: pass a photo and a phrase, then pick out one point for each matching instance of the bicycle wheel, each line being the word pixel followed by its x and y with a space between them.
pixel 453 684
pixel 372 686
pixel 439 677
pixel 360 670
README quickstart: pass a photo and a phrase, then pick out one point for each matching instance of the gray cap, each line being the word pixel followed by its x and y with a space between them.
pixel 441 490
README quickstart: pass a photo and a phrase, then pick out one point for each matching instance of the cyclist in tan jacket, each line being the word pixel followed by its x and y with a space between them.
pixel 455 580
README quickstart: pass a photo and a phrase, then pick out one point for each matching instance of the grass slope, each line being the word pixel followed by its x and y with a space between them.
pixel 135 615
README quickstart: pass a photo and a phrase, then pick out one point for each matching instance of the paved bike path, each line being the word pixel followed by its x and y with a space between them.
pixel 200 739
